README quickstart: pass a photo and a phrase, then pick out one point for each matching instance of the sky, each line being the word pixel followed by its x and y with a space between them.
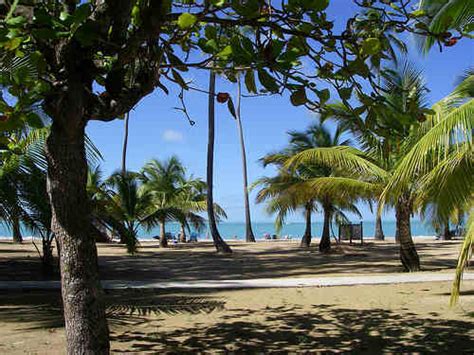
pixel 157 130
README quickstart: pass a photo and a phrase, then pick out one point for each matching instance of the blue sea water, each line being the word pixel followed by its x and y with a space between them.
pixel 235 230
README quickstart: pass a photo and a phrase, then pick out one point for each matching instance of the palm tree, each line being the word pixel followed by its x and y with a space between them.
pixel 164 182
pixel 386 132
pixel 445 15
pixel 127 205
pixel 219 243
pixel 442 160
pixel 296 185
pixel 249 236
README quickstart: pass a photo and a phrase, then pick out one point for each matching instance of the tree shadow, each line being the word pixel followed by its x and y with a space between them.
pixel 325 328
pixel 43 309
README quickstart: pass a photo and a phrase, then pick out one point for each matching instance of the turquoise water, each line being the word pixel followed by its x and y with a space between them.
pixel 231 230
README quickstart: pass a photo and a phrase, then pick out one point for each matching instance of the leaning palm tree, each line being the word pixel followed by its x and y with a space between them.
pixel 386 131
pixel 442 159
pixel 219 243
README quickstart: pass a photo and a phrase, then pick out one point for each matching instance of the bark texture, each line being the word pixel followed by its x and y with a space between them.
pixel 86 325
pixel 163 239
pixel 16 229
pixel 379 235
pixel 325 243
pixel 219 243
pixel 306 240
pixel 249 236
pixel 408 255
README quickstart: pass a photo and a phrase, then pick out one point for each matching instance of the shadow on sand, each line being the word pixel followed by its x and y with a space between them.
pixel 134 317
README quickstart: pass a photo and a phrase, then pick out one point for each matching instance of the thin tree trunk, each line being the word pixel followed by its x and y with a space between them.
pixel 84 313
pixel 163 239
pixel 125 144
pixel 249 236
pixel 325 243
pixel 379 235
pixel 408 255
pixel 47 259
pixel 16 228
pixel 219 243
pixel 182 234
pixel 306 240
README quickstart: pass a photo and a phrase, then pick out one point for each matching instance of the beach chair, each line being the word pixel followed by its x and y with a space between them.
pixel 351 231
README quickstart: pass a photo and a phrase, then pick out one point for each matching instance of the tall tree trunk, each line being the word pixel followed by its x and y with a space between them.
pixel 84 313
pixel 408 255
pixel 219 243
pixel 249 236
pixel 182 234
pixel 163 239
pixel 125 144
pixel 379 235
pixel 306 240
pixel 16 228
pixel 325 243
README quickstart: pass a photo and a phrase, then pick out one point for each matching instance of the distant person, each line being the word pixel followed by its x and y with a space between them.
pixel 193 237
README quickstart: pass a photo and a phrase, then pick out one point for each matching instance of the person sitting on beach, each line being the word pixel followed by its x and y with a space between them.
pixel 266 236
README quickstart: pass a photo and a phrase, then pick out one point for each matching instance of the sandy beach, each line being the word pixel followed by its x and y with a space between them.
pixel 365 318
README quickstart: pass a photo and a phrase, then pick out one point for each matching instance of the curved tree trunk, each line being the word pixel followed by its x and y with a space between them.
pixel 408 255
pixel 379 235
pixel 306 240
pixel 249 236
pixel 182 234
pixel 325 243
pixel 163 239
pixel 16 228
pixel 219 243
pixel 125 144
pixel 84 313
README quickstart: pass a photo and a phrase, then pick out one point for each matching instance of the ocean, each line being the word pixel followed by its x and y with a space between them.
pixel 236 231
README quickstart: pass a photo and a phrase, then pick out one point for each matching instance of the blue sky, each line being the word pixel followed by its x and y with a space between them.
pixel 157 130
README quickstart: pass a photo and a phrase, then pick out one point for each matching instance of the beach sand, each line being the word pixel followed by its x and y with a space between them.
pixel 391 318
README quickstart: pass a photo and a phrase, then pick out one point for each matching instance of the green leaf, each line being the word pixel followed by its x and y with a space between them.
pixel 345 93
pixel 179 79
pixel 230 106
pixel 323 95
pixel 16 21
pixel 319 5
pixel 267 81
pixel 186 20
pixel 418 13
pixel 226 52
pixel 371 46
pixel 250 81
pixel 298 97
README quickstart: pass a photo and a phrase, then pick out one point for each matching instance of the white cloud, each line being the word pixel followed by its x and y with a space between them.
pixel 172 136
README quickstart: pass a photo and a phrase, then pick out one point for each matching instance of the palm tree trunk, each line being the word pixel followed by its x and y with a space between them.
pixel 84 312
pixel 446 233
pixel 125 144
pixel 219 243
pixel 408 255
pixel 47 259
pixel 182 235
pixel 306 240
pixel 325 243
pixel 249 236
pixel 16 228
pixel 379 235
pixel 163 239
